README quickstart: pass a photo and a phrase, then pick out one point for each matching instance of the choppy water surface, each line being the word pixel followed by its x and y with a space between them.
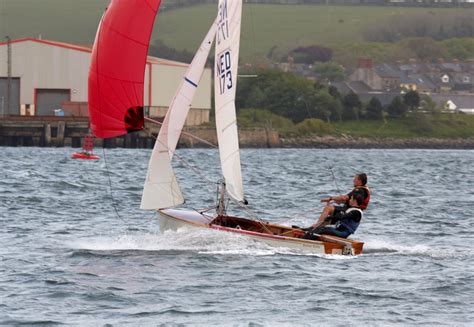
pixel 68 258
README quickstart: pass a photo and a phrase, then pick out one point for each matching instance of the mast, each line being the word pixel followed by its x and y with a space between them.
pixel 221 200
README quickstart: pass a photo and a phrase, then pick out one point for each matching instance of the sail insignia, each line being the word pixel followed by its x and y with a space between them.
pixel 226 65
pixel 134 119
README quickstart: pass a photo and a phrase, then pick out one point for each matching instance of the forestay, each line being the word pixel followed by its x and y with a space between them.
pixel 161 189
pixel 226 63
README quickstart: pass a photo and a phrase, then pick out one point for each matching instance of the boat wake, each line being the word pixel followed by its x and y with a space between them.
pixel 382 247
pixel 202 241
pixel 207 241
pixel 182 240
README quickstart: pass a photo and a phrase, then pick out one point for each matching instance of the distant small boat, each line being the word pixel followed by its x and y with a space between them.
pixel 87 148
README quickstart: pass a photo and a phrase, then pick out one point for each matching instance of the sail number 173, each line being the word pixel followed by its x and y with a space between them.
pixel 224 72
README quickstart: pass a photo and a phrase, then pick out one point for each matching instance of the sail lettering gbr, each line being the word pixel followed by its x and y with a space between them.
pixel 224 71
pixel 223 23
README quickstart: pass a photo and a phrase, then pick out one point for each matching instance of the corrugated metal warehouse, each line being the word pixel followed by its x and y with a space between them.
pixel 44 76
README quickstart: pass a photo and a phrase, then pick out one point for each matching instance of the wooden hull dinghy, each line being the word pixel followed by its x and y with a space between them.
pixel 271 234
pixel 116 107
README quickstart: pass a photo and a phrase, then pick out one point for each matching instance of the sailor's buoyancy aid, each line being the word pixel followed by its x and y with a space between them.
pixel 364 204
pixel 350 224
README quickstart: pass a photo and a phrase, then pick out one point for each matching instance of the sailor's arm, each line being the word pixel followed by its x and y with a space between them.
pixel 338 199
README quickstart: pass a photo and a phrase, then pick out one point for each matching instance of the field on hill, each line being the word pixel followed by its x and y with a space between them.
pixel 263 26
pixel 266 26
pixel 449 126
pixel 73 21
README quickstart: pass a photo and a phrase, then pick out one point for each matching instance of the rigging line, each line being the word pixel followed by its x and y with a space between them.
pixel 202 213
pixel 110 187
pixel 203 210
pixel 185 133
pixel 253 215
pixel 335 181
pixel 304 214
pixel 196 171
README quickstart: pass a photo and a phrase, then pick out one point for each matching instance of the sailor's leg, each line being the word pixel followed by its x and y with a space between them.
pixel 333 231
pixel 327 211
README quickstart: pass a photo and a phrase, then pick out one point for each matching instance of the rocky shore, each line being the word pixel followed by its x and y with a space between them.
pixel 327 142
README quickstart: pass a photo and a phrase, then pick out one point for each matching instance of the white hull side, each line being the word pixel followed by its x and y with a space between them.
pixel 167 222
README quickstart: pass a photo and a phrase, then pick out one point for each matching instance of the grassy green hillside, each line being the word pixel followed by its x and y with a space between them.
pixel 266 26
pixel 263 26
pixel 433 126
pixel 72 21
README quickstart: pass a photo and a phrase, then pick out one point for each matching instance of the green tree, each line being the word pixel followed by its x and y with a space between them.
pixel 459 48
pixel 352 106
pixel 334 92
pixel 303 108
pixel 263 118
pixel 337 108
pixel 329 71
pixel 284 94
pixel 311 54
pixel 412 100
pixel 324 105
pixel 428 105
pixel 397 108
pixel 374 109
pixel 425 48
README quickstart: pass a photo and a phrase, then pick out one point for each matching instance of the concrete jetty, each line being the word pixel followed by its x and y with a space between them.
pixel 60 131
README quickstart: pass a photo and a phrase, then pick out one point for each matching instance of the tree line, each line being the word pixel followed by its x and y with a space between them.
pixel 297 99
pixel 425 49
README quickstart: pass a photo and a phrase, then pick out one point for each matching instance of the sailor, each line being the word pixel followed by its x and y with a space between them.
pixel 360 188
pixel 345 222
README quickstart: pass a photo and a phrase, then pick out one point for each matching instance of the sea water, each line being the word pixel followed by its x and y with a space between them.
pixel 76 249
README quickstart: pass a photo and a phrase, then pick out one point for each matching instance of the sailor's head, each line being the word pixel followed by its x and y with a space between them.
pixel 360 179
pixel 356 200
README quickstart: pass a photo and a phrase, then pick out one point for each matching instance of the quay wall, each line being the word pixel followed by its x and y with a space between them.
pixel 54 131
pixel 69 131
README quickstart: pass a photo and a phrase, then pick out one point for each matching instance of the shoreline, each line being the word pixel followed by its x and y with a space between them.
pixel 331 142
pixel 70 131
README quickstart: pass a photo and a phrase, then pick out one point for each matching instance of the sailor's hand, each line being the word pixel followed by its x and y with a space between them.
pixel 326 199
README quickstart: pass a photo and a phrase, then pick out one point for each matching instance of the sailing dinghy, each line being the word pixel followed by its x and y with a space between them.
pixel 116 80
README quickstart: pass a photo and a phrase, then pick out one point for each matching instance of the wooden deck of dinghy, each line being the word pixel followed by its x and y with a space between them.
pixel 274 234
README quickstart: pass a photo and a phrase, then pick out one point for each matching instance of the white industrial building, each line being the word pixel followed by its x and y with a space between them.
pixel 44 76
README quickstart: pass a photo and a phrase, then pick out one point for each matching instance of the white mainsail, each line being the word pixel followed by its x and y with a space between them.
pixel 161 189
pixel 225 83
